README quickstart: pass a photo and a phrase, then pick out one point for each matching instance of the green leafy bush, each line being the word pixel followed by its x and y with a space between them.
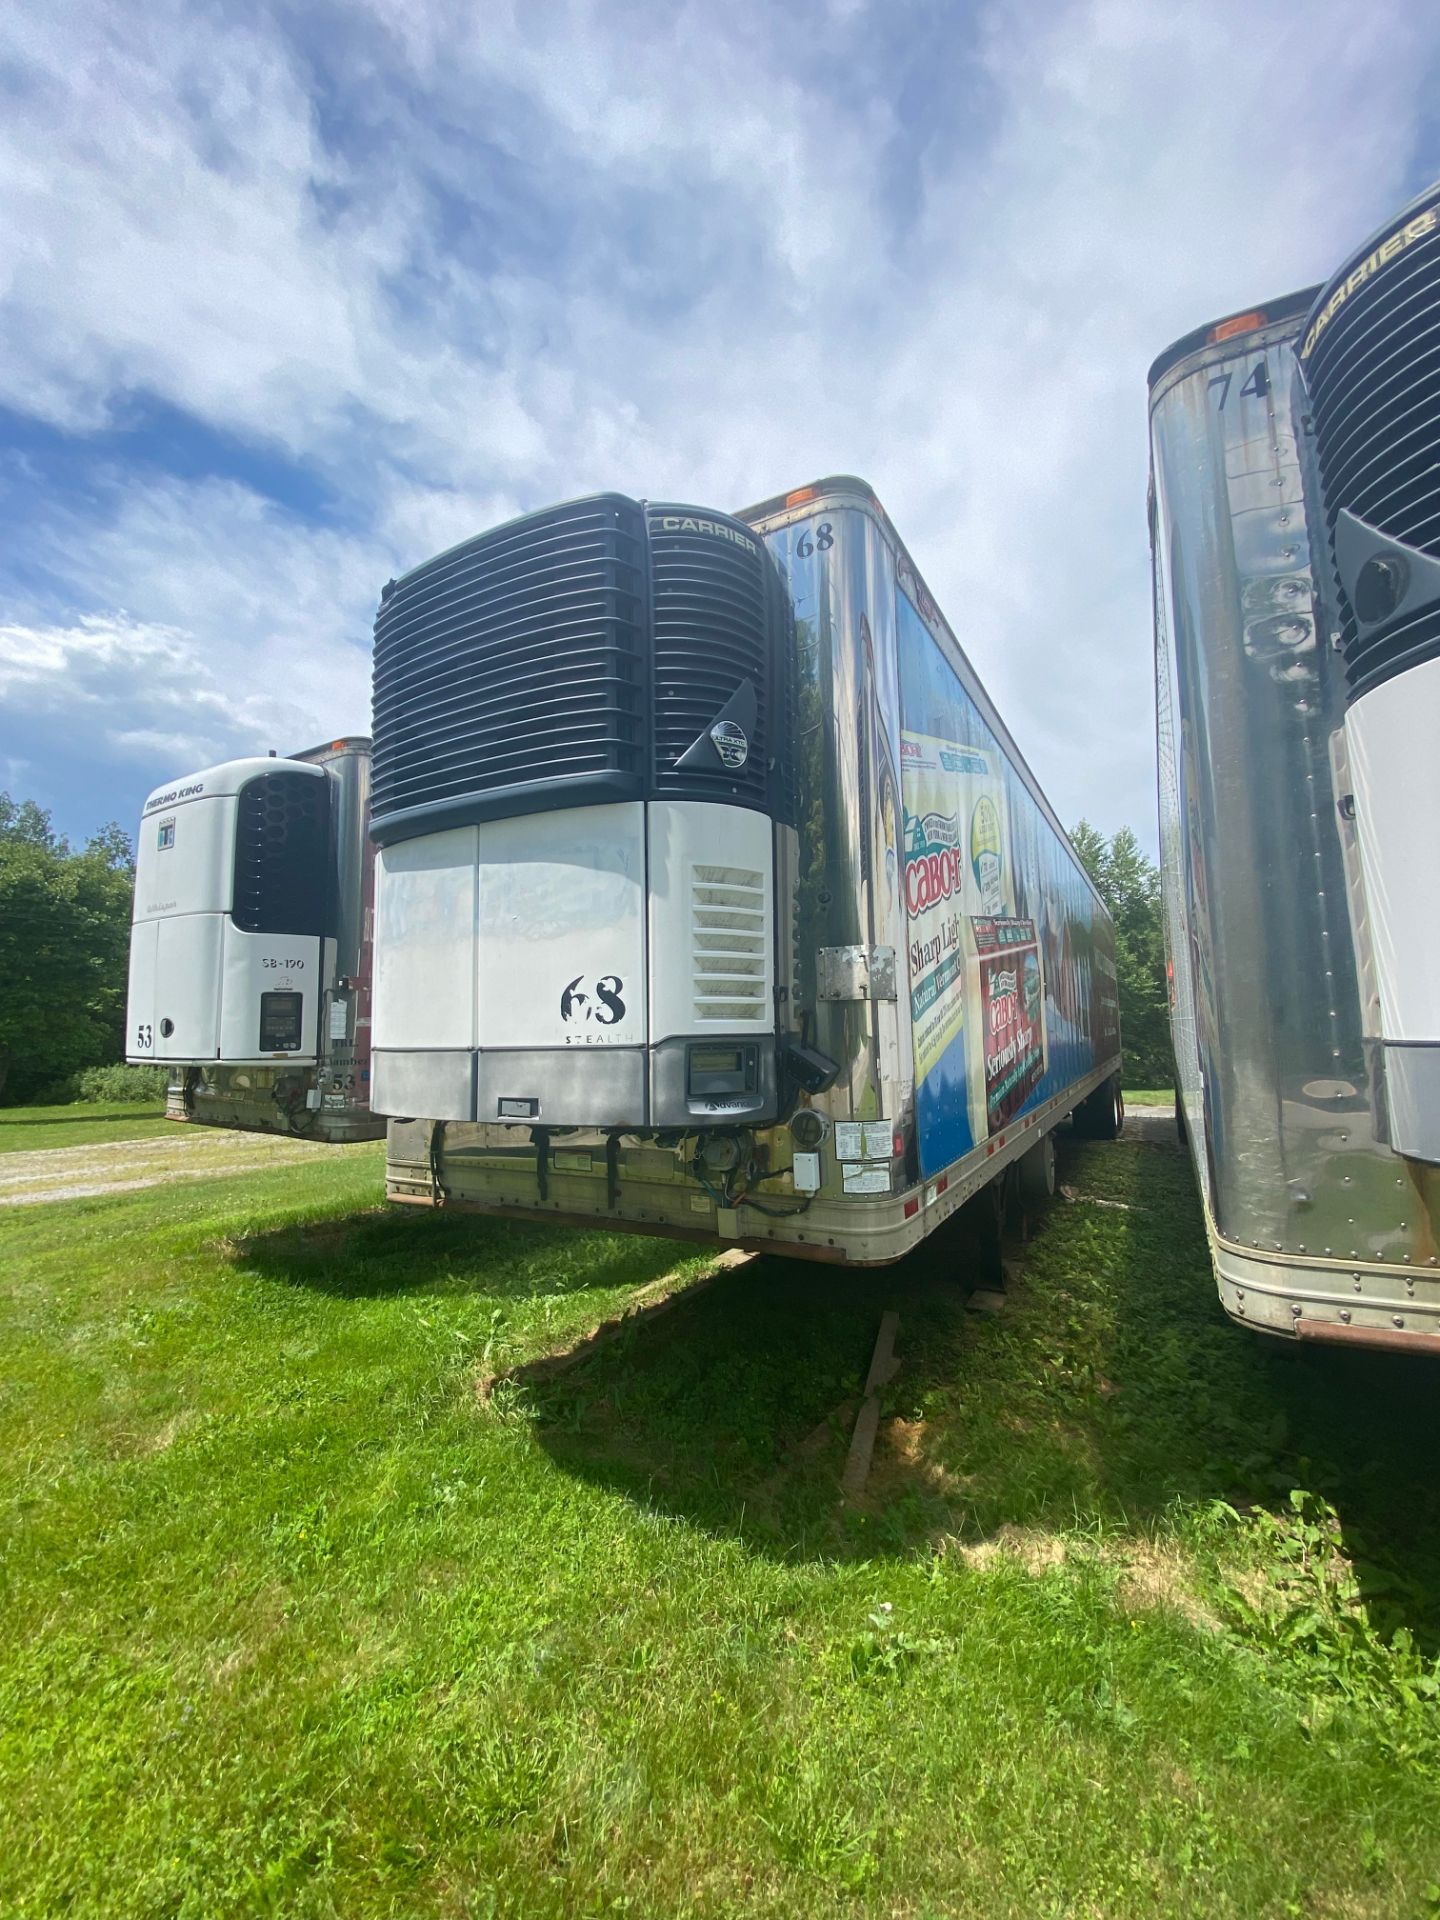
pixel 93 1084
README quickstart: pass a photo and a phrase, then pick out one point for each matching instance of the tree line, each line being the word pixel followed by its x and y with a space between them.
pixel 1129 885
pixel 65 935
pixel 64 949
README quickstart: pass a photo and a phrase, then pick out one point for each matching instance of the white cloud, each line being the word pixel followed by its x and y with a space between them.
pixel 699 254
pixel 137 689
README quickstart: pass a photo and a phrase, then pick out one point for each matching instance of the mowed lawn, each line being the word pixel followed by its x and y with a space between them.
pixel 1135 1616
pixel 32 1129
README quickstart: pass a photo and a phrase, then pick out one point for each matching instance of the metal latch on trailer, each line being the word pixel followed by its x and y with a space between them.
pixel 855 973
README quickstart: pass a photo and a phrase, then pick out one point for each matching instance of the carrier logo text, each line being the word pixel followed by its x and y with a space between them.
pixel 688 523
pixel 1412 231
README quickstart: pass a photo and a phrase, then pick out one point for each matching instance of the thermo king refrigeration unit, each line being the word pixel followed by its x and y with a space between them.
pixel 251 942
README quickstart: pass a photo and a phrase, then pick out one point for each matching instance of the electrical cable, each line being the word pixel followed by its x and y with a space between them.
pixel 775 1213
pixel 726 1199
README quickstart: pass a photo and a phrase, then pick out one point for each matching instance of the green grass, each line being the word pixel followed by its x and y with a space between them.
pixel 1149 1096
pixel 291 1623
pixel 82 1124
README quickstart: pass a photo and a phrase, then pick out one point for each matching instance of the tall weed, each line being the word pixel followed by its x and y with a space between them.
pixel 1317 1619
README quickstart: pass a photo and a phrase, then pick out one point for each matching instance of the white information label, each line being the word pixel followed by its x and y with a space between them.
pixel 849 1140
pixel 339 1019
pixel 879 1139
pixel 867 1179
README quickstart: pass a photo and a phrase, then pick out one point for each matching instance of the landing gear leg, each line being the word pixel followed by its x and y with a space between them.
pixel 983 1219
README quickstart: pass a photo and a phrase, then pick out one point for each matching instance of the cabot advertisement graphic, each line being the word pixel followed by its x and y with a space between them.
pixel 1012 1015
pixel 953 804
pixel 1006 992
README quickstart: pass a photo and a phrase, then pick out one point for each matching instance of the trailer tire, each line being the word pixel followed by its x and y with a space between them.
pixel 1180 1119
pixel 1035 1175
pixel 1102 1115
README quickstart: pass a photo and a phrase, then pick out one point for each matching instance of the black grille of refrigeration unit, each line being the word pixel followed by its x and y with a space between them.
pixel 596 651
pixel 510 670
pixel 714 638
pixel 282 854
pixel 1371 355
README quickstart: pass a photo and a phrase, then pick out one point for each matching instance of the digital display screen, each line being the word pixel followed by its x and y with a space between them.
pixel 715 1060
pixel 280 1022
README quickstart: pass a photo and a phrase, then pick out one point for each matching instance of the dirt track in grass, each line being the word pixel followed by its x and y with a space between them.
pixel 126 1166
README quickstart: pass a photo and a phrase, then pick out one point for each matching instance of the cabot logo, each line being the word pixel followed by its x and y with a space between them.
pixel 730 743
pixel 931 878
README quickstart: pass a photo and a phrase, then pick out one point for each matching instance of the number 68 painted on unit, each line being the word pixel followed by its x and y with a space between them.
pixel 605 1007
pixel 823 541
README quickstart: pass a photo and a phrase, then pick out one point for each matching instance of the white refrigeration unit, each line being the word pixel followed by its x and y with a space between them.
pixel 1370 360
pixel 251 940
pixel 582 790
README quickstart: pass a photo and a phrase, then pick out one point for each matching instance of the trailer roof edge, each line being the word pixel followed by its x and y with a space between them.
pixel 1270 313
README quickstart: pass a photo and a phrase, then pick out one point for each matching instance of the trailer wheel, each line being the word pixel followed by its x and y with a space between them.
pixel 1035 1175
pixel 1102 1115
pixel 1180 1119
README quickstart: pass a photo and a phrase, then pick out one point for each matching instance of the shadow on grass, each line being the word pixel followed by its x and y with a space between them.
pixel 734 1410
pixel 1112 1391
pixel 19 1117
pixel 406 1250
pixel 1209 1410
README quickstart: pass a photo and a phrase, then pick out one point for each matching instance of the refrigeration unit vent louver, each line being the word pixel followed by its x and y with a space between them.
pixel 515 661
pixel 713 632
pixel 729 939
pixel 1371 354
pixel 282 846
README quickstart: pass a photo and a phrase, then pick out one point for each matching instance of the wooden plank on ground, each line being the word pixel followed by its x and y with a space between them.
pixel 883 1368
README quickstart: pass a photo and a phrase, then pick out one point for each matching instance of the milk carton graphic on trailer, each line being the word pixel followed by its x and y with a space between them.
pixel 713 897
pixel 251 941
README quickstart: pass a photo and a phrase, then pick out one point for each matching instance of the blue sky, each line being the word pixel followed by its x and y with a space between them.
pixel 290 298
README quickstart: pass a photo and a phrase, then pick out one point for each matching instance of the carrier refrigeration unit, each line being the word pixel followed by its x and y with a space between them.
pixel 1295 527
pixel 713 898
pixel 251 942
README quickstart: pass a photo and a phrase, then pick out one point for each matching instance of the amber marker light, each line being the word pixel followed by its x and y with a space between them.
pixel 1237 323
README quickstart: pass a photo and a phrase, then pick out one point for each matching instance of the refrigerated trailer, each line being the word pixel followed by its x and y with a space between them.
pixel 250 947
pixel 713 897
pixel 1296 543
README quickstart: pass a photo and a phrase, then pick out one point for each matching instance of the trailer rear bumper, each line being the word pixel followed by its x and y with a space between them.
pixel 338 1122
pixel 463 1168
pixel 1396 1309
